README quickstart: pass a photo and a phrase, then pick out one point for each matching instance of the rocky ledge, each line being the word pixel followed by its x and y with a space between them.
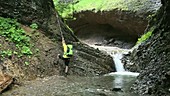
pixel 117 27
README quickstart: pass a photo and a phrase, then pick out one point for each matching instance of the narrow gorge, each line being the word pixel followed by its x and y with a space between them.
pixel 120 47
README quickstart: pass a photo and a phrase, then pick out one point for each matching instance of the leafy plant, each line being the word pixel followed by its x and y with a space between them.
pixel 26 50
pixel 65 10
pixel 34 26
pixel 11 30
pixel 26 63
pixel 7 53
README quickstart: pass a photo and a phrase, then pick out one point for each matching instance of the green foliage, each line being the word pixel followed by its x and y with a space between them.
pixel 26 63
pixel 145 36
pixel 11 30
pixel 7 53
pixel 106 5
pixel 26 50
pixel 65 10
pixel 34 26
pixel 149 17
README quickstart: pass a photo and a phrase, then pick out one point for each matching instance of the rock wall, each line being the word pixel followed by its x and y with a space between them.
pixel 153 57
pixel 37 11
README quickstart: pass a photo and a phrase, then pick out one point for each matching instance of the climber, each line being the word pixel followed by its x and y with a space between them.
pixel 67 54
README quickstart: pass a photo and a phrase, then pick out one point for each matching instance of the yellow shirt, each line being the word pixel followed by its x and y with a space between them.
pixel 65 50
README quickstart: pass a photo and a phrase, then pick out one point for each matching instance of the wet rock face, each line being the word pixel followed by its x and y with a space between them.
pixel 154 67
pixel 89 61
pixel 153 57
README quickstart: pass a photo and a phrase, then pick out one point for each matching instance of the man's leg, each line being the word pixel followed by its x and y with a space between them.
pixel 67 61
pixel 66 69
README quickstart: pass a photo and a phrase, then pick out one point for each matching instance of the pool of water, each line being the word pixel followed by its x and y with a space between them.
pixel 108 85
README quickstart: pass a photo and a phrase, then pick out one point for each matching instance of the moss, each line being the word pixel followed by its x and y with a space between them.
pixel 145 36
pixel 66 9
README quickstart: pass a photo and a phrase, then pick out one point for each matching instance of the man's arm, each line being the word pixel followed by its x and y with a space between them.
pixel 64 45
pixel 63 42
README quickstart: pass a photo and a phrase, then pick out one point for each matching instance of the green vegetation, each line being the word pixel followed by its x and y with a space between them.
pixel 26 63
pixel 34 26
pixel 66 10
pixel 6 53
pixel 145 36
pixel 11 30
pixel 100 5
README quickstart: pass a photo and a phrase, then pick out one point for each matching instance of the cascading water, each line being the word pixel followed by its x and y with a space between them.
pixel 120 76
pixel 117 54
pixel 118 63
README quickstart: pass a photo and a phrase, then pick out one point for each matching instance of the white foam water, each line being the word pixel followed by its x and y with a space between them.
pixel 123 73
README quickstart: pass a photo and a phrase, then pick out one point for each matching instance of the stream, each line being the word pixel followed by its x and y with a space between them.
pixel 75 86
pixel 112 84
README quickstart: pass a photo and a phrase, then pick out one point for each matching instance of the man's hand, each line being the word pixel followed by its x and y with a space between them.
pixel 63 41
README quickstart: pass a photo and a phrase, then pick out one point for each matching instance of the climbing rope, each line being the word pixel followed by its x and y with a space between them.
pixel 58 20
pixel 62 37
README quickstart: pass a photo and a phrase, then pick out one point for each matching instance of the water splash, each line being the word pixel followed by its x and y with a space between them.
pixel 123 73
pixel 118 64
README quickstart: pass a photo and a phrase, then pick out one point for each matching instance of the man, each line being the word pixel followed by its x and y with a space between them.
pixel 68 52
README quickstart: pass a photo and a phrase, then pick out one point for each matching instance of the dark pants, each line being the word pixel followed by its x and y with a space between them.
pixel 66 60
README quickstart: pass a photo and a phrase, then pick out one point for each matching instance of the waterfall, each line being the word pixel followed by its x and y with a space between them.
pixel 117 54
pixel 117 60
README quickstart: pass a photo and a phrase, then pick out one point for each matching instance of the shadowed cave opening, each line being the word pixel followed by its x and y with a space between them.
pixel 105 35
